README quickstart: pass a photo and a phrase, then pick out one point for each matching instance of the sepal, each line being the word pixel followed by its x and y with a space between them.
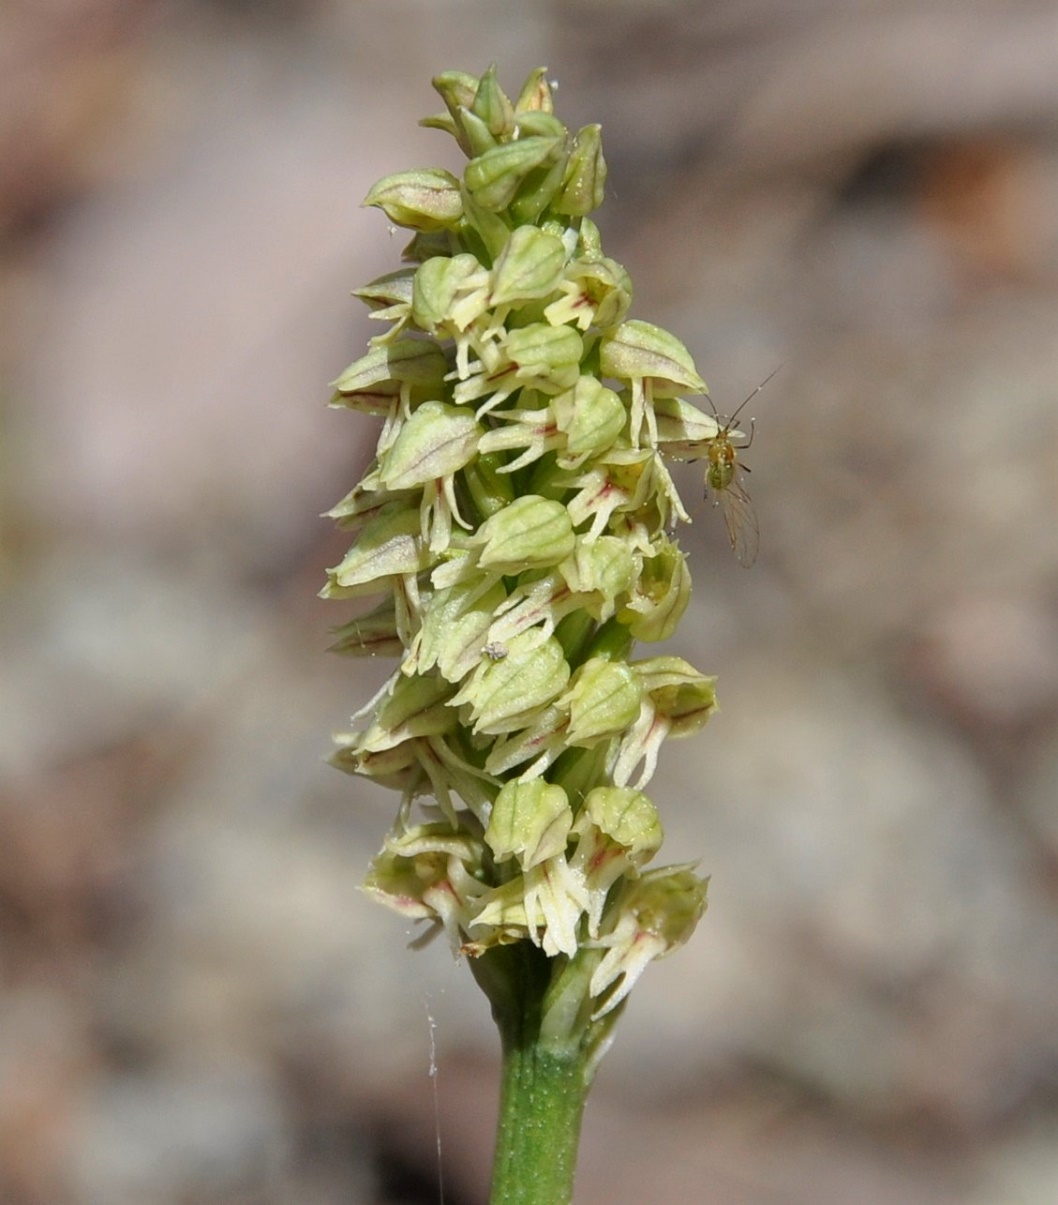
pixel 530 822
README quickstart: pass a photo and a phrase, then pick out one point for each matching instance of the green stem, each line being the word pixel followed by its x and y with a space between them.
pixel 544 1083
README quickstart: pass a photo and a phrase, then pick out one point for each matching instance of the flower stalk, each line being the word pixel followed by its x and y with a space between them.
pixel 515 531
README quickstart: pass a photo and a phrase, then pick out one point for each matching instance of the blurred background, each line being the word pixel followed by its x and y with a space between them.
pixel 196 1005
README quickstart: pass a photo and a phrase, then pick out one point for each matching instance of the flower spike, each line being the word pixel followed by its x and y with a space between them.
pixel 514 534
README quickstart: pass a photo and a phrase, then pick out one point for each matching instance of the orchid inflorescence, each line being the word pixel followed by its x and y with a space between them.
pixel 516 521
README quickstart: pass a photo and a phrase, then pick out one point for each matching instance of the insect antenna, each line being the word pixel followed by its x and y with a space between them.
pixel 750 398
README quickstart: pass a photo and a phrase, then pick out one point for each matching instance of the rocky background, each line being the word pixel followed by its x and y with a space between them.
pixel 197 1007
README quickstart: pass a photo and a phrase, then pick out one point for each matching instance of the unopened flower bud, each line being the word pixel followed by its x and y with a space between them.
pixel 585 179
pixel 538 190
pixel 535 95
pixel 493 106
pixel 494 178
pixel 457 89
pixel 476 133
pixel 426 200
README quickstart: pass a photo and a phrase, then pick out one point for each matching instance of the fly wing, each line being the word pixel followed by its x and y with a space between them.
pixel 740 518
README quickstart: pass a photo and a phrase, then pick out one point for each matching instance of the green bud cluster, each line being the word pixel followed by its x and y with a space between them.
pixel 515 525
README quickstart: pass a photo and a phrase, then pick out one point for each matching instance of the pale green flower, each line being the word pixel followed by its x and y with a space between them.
pixel 650 918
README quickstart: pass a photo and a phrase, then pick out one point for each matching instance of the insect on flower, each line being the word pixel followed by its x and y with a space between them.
pixel 723 475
